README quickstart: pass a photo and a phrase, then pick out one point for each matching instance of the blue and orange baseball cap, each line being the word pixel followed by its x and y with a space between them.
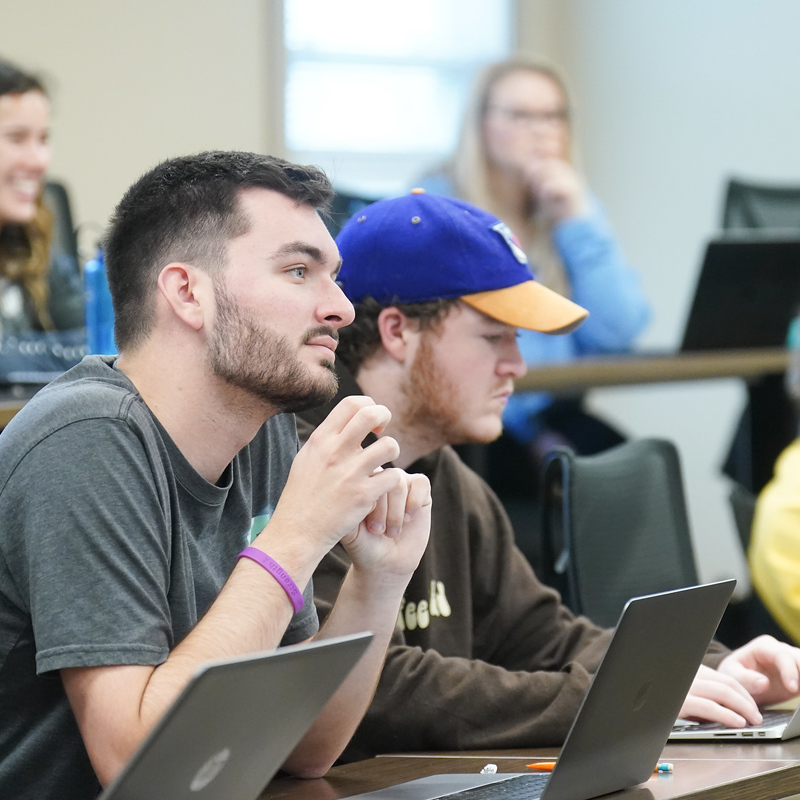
pixel 423 247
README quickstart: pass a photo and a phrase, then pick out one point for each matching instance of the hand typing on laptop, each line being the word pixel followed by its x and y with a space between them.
pixel 762 672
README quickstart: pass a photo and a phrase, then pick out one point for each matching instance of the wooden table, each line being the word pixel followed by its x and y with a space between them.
pixel 748 771
pixel 771 421
pixel 588 372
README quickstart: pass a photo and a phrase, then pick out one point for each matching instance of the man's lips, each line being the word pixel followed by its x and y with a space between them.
pixel 503 395
pixel 326 342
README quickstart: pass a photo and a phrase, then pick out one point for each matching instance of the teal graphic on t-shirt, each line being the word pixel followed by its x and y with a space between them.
pixel 259 523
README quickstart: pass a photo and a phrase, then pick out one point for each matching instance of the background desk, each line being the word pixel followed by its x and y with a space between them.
pixel 585 373
pixel 12 399
pixel 772 420
pixel 702 772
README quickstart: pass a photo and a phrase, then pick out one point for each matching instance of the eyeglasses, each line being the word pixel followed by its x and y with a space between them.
pixel 524 118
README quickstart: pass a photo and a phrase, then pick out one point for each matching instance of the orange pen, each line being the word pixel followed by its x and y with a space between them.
pixel 547 766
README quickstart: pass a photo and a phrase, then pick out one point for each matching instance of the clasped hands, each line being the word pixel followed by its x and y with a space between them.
pixel 339 491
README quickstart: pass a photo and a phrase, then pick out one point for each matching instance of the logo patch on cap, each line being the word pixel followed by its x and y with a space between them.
pixel 513 243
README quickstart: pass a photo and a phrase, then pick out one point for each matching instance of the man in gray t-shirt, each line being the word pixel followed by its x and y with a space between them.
pixel 129 486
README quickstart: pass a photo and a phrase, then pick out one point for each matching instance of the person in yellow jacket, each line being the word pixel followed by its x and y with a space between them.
pixel 774 552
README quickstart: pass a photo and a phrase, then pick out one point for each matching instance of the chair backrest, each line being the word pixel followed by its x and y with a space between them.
pixel 755 205
pixel 743 507
pixel 615 526
pixel 64 239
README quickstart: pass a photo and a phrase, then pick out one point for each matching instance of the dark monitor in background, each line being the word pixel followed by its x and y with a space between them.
pixel 747 293
pixel 750 205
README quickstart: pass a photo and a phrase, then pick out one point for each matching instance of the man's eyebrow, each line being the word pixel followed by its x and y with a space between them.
pixel 299 248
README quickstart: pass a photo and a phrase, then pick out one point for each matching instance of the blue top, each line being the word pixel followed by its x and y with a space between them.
pixel 601 281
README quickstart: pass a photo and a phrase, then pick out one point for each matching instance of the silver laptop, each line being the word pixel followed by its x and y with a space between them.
pixel 776 724
pixel 627 714
pixel 237 720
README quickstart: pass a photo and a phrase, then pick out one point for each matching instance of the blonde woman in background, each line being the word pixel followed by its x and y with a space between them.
pixel 514 159
pixel 37 292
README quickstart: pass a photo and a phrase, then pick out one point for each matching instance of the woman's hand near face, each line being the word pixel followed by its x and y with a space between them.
pixel 556 188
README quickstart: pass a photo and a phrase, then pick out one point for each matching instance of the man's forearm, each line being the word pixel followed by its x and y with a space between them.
pixel 251 613
pixel 364 603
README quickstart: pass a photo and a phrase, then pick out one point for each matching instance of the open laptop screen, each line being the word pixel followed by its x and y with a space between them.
pixel 747 293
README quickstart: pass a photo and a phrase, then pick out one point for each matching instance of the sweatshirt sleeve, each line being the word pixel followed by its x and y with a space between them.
pixel 601 281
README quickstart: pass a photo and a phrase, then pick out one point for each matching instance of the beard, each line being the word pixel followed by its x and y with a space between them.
pixel 432 402
pixel 262 362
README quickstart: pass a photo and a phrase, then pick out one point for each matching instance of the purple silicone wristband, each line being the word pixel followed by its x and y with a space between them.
pixel 277 572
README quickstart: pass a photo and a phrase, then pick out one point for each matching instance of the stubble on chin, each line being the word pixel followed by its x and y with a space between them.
pixel 431 407
pixel 260 361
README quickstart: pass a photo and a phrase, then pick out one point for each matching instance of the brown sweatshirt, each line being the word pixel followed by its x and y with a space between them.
pixel 484 656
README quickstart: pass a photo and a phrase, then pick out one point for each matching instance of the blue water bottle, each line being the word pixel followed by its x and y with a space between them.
pixel 98 309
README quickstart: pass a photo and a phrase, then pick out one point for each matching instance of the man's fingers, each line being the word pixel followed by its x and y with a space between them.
pixel 769 669
pixel 354 418
pixel 695 707
pixel 750 679
pixel 419 494
pixel 399 504
pixel 368 418
pixel 788 665
pixel 396 507
pixel 380 452
pixel 343 412
pixel 720 698
pixel 376 519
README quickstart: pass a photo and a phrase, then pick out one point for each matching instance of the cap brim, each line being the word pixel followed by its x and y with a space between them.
pixel 529 305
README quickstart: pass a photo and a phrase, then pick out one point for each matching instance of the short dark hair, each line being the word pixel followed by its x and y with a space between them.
pixel 14 80
pixel 187 209
pixel 357 342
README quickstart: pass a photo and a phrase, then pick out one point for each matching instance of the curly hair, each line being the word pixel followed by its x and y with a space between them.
pixel 359 341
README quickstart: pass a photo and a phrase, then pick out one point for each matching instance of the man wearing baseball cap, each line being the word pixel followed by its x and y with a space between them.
pixel 484 656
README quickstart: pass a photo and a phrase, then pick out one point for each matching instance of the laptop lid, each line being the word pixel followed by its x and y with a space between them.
pixel 630 708
pixel 236 721
pixel 747 293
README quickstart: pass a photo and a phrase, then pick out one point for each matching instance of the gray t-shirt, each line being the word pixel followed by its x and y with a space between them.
pixel 112 547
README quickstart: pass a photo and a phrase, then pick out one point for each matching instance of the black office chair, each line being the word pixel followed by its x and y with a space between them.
pixel 614 526
pixel 64 239
pixel 750 206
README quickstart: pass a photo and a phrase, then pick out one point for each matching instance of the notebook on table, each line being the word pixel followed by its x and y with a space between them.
pixel 236 721
pixel 776 725
pixel 747 293
pixel 627 715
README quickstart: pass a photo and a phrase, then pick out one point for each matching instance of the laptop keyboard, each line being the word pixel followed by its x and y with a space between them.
pixel 770 719
pixel 522 787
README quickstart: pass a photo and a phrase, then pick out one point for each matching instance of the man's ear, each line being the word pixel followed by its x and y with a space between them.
pixel 186 290
pixel 397 332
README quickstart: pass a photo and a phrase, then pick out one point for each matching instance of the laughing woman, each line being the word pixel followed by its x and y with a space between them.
pixel 37 292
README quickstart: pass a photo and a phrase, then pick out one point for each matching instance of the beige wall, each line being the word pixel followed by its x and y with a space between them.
pixel 136 82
